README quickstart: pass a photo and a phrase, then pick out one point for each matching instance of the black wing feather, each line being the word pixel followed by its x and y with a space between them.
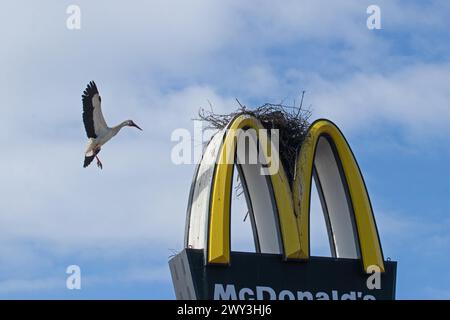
pixel 88 109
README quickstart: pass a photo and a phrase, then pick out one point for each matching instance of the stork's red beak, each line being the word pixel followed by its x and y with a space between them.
pixel 136 126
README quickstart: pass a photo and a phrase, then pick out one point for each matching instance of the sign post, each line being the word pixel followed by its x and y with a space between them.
pixel 282 267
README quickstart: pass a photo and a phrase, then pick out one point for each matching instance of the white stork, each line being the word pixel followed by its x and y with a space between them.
pixel 97 130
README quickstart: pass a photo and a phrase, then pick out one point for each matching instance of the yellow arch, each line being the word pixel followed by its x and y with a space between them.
pixel 293 209
pixel 219 223
pixel 369 243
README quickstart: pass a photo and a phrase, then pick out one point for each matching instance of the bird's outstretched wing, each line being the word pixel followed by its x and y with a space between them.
pixel 94 123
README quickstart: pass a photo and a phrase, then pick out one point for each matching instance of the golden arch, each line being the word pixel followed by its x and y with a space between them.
pixel 292 207
pixel 219 225
pixel 369 242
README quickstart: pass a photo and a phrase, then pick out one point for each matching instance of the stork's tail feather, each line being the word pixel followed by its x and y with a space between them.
pixel 88 159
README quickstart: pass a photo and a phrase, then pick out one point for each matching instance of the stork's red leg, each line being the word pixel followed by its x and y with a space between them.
pixel 99 163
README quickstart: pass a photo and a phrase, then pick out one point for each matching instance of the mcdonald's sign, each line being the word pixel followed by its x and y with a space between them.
pixel 279 210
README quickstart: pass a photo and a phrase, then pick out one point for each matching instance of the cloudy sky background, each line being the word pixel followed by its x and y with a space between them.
pixel 158 62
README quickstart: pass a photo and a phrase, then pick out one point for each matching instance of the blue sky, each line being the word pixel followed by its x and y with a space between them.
pixel 158 62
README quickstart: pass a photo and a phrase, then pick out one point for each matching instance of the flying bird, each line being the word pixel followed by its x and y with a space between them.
pixel 97 130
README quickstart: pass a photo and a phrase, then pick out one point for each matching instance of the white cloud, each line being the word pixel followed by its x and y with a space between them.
pixel 416 98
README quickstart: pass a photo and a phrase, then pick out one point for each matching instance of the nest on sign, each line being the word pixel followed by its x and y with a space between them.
pixel 291 121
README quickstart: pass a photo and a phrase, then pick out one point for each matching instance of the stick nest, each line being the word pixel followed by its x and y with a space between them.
pixel 291 121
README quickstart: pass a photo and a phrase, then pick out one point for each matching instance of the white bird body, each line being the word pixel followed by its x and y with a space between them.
pixel 105 135
pixel 97 130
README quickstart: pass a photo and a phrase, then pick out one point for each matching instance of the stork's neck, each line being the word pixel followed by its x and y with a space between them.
pixel 117 128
